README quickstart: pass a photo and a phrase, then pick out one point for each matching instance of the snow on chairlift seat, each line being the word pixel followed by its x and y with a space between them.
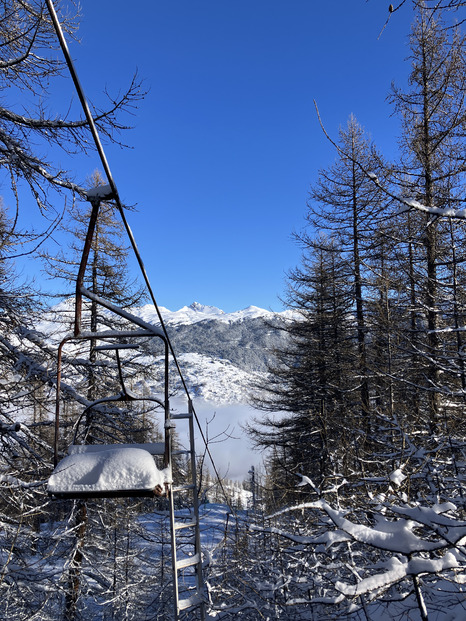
pixel 99 471
pixel 154 448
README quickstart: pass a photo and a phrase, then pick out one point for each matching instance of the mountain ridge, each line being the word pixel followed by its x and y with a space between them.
pixel 197 312
pixel 244 338
pixel 222 354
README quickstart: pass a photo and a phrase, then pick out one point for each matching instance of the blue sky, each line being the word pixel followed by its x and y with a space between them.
pixel 226 143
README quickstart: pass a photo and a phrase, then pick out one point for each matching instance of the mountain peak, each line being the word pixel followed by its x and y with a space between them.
pixel 202 308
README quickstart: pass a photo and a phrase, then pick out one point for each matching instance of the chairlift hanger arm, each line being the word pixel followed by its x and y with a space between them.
pixel 83 265
pixel 123 313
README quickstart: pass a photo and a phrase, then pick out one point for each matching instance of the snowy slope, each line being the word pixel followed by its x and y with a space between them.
pixel 216 380
pixel 221 354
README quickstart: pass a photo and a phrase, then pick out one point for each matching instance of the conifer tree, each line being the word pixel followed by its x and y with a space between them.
pixel 323 377
pixel 431 171
pixel 346 202
pixel 310 376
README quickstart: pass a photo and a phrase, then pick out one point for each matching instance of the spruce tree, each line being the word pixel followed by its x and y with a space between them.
pixel 345 203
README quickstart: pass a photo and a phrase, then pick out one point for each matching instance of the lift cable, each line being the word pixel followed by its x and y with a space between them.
pixel 120 206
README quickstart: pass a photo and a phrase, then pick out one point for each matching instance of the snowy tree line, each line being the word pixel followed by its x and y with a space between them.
pixel 365 468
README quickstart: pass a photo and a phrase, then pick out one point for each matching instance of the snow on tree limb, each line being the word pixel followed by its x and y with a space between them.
pixel 407 204
pixel 397 570
pixel 391 535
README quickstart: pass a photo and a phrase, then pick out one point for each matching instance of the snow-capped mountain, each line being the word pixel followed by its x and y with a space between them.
pixel 221 354
pixel 244 338
pixel 196 313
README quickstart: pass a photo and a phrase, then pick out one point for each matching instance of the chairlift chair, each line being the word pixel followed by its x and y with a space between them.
pixel 111 470
pixel 106 462
pixel 114 470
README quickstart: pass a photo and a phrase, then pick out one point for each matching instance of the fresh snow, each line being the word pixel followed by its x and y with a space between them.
pixel 446 212
pixel 394 536
pixel 154 448
pixel 100 191
pixel 218 381
pixel 397 477
pixel 106 470
pixel 397 570
pixel 198 312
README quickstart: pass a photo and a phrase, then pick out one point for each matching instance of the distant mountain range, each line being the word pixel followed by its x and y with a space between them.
pixel 221 354
pixel 245 338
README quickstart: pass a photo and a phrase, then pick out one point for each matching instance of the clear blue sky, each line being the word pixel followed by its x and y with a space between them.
pixel 226 143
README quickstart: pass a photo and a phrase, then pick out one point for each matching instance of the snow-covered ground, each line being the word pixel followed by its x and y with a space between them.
pixel 216 380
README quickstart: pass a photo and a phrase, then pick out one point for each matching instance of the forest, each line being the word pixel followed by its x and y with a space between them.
pixel 359 511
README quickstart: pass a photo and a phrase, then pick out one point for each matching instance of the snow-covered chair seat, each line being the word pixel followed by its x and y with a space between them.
pixel 99 471
pixel 154 448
